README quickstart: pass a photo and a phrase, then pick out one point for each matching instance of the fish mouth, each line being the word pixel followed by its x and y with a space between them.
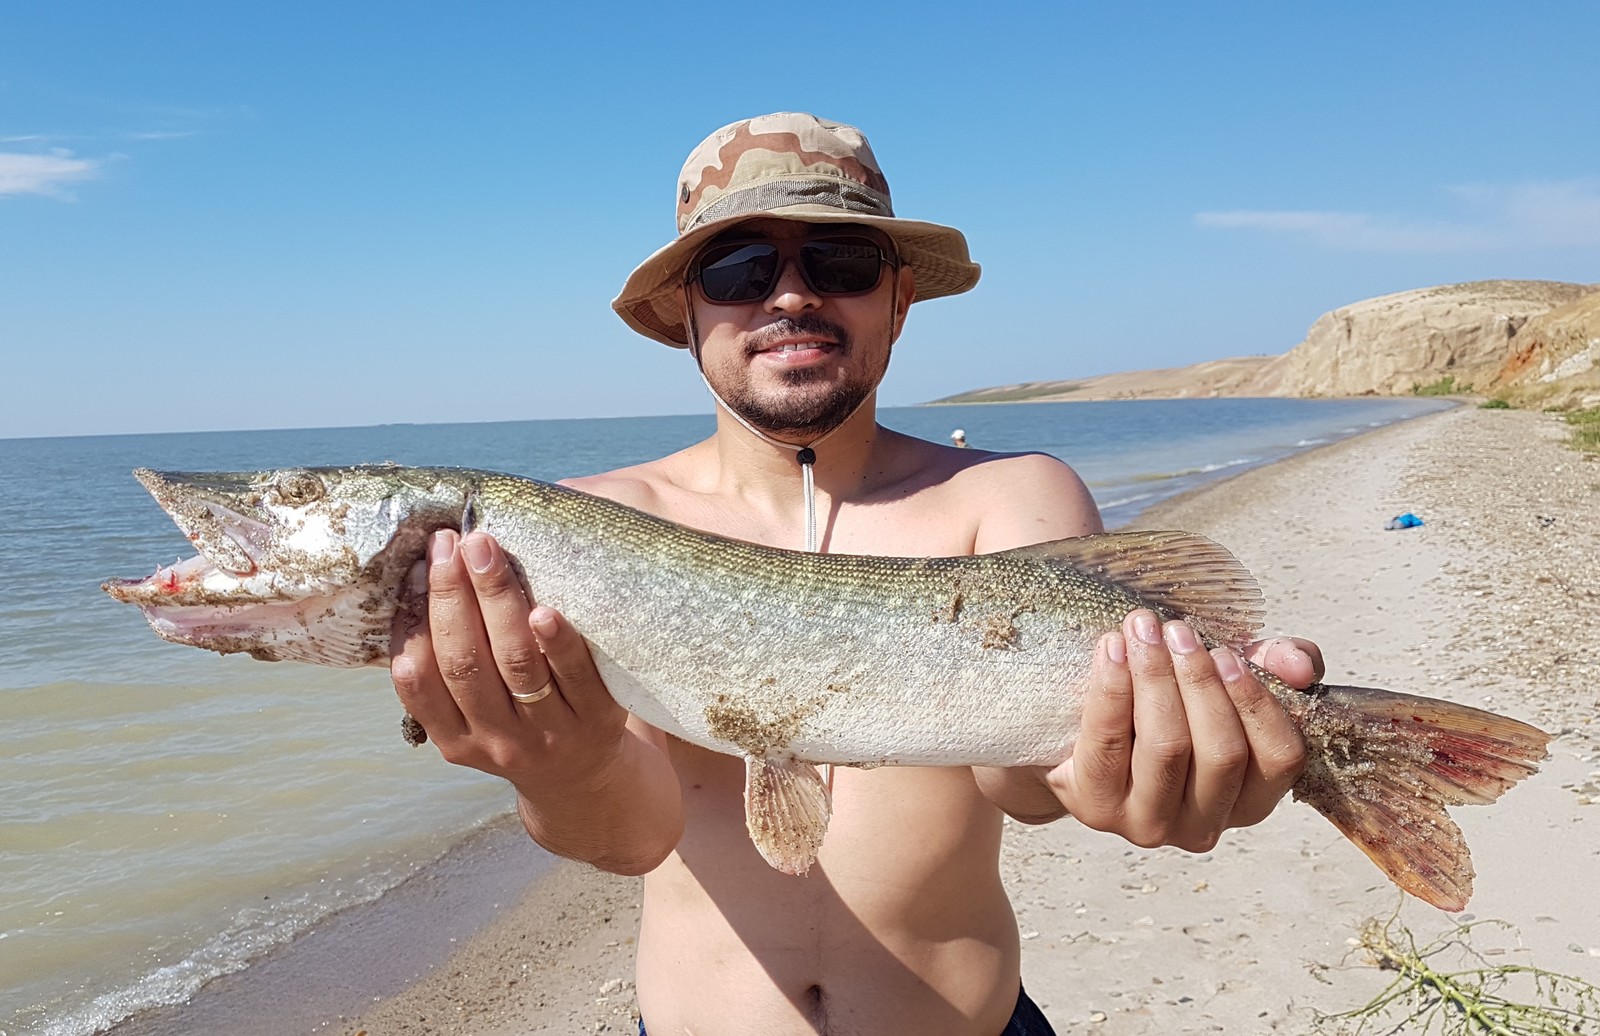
pixel 212 511
pixel 233 596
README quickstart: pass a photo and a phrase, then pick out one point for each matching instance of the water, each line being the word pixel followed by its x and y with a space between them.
pixel 167 815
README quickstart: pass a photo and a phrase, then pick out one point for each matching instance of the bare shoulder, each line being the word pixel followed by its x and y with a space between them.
pixel 1024 498
pixel 655 487
pixel 638 486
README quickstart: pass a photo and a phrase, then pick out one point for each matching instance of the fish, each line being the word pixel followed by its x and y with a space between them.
pixel 797 661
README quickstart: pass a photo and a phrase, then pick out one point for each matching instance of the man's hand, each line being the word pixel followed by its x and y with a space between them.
pixel 1177 743
pixel 592 784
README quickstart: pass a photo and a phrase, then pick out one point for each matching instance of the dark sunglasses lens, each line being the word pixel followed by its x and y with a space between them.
pixel 738 273
pixel 842 266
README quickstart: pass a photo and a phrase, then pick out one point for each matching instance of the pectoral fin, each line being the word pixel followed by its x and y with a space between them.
pixel 786 809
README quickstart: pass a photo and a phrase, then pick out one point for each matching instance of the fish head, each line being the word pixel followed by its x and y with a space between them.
pixel 303 564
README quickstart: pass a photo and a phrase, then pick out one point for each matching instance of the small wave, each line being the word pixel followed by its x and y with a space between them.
pixel 1126 501
pixel 1203 469
pixel 254 932
pixel 1303 443
pixel 1225 465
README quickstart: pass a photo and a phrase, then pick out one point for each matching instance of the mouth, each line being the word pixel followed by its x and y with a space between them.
pixel 796 351
pixel 238 594
pixel 230 544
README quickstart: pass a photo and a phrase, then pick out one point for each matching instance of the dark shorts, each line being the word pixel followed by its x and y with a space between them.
pixel 1026 1020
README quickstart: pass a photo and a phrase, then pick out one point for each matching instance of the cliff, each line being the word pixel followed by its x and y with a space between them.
pixel 1395 344
pixel 1530 342
pixel 1554 360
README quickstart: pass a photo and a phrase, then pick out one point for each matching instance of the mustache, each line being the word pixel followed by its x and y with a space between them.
pixel 804 324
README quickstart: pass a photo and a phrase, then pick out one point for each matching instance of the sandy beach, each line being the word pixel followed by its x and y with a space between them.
pixel 1492 602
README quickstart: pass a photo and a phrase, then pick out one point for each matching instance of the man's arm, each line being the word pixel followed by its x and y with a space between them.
pixel 593 783
pixel 1177 744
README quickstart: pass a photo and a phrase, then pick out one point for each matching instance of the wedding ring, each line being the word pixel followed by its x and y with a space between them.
pixel 533 696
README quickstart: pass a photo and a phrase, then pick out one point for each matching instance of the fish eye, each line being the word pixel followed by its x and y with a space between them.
pixel 297 488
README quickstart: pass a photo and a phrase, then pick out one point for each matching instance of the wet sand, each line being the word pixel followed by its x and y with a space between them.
pixel 1495 601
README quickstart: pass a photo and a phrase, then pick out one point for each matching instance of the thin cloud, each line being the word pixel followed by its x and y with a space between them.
pixel 47 175
pixel 161 134
pixel 1528 215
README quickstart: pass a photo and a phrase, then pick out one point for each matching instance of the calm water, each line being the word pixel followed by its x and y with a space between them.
pixel 166 815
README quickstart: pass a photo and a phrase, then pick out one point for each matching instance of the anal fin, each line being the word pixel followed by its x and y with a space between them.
pixel 786 809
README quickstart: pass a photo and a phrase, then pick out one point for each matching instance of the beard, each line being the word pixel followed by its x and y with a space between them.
pixel 812 402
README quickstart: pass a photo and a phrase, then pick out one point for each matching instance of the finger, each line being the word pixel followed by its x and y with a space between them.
pixel 1296 662
pixel 1219 750
pixel 1093 782
pixel 1161 745
pixel 1277 751
pixel 504 607
pixel 577 679
pixel 413 667
pixel 460 642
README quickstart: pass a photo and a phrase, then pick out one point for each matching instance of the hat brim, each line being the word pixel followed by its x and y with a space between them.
pixel 650 302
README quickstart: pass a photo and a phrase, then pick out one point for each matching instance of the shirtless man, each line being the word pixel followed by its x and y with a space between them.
pixel 789 282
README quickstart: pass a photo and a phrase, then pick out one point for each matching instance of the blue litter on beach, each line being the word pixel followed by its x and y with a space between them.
pixel 1403 521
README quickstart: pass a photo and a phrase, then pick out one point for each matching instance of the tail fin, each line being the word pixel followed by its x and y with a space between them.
pixel 1383 766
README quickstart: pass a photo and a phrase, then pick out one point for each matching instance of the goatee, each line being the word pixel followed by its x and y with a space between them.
pixel 799 414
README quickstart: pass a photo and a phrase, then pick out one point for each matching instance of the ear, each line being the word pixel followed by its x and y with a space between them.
pixel 905 294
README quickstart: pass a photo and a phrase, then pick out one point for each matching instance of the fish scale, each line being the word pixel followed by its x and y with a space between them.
pixel 792 659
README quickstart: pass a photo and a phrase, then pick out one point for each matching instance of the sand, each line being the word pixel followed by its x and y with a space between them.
pixel 1495 601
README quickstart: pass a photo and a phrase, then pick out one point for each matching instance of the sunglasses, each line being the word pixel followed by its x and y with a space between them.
pixel 735 272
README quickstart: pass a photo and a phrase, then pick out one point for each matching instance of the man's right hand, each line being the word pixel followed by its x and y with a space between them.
pixel 573 754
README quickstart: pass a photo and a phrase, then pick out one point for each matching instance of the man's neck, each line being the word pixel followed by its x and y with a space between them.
pixel 752 468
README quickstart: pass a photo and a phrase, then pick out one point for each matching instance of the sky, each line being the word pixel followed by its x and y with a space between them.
pixel 254 215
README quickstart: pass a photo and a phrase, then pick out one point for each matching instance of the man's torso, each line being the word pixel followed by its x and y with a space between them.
pixel 902 925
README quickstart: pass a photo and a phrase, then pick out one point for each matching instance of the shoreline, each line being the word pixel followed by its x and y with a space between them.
pixel 1155 941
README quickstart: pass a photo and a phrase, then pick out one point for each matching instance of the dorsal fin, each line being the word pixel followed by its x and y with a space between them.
pixel 1179 573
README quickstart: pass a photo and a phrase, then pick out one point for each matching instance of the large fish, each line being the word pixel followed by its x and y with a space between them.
pixel 791 659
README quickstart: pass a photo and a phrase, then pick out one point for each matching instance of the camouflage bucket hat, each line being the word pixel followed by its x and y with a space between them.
pixel 784 166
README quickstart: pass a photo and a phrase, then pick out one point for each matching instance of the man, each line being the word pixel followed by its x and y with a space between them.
pixel 789 282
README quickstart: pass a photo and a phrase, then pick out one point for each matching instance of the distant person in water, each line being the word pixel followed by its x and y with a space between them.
pixel 959 438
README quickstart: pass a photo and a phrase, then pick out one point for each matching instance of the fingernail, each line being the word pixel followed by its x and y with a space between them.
pixel 1181 638
pixel 1116 648
pixel 1227 664
pixel 544 622
pixel 1146 628
pixel 442 548
pixel 477 552
pixel 417 579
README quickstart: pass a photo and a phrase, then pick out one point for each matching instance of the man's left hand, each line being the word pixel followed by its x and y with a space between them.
pixel 1178 743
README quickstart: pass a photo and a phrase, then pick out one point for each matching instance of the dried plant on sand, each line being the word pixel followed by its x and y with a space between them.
pixel 1481 998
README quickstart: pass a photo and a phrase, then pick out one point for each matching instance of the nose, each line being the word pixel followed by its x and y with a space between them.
pixel 790 293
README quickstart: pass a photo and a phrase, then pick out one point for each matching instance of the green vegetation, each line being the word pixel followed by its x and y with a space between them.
pixel 1503 999
pixel 1494 404
pixel 1585 429
pixel 1445 386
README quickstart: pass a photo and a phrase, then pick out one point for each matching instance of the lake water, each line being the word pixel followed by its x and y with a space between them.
pixel 168 815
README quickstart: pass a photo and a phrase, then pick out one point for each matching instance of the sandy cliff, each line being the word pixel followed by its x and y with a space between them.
pixel 1555 359
pixel 1531 342
pixel 1393 344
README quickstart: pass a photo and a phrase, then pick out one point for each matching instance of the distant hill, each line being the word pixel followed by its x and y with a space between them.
pixel 1531 342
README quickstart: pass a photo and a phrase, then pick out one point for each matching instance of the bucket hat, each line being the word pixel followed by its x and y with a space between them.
pixel 788 165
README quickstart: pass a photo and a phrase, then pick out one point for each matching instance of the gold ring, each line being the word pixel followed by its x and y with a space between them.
pixel 533 696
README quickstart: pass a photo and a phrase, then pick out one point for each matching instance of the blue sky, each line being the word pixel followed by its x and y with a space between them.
pixel 272 215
